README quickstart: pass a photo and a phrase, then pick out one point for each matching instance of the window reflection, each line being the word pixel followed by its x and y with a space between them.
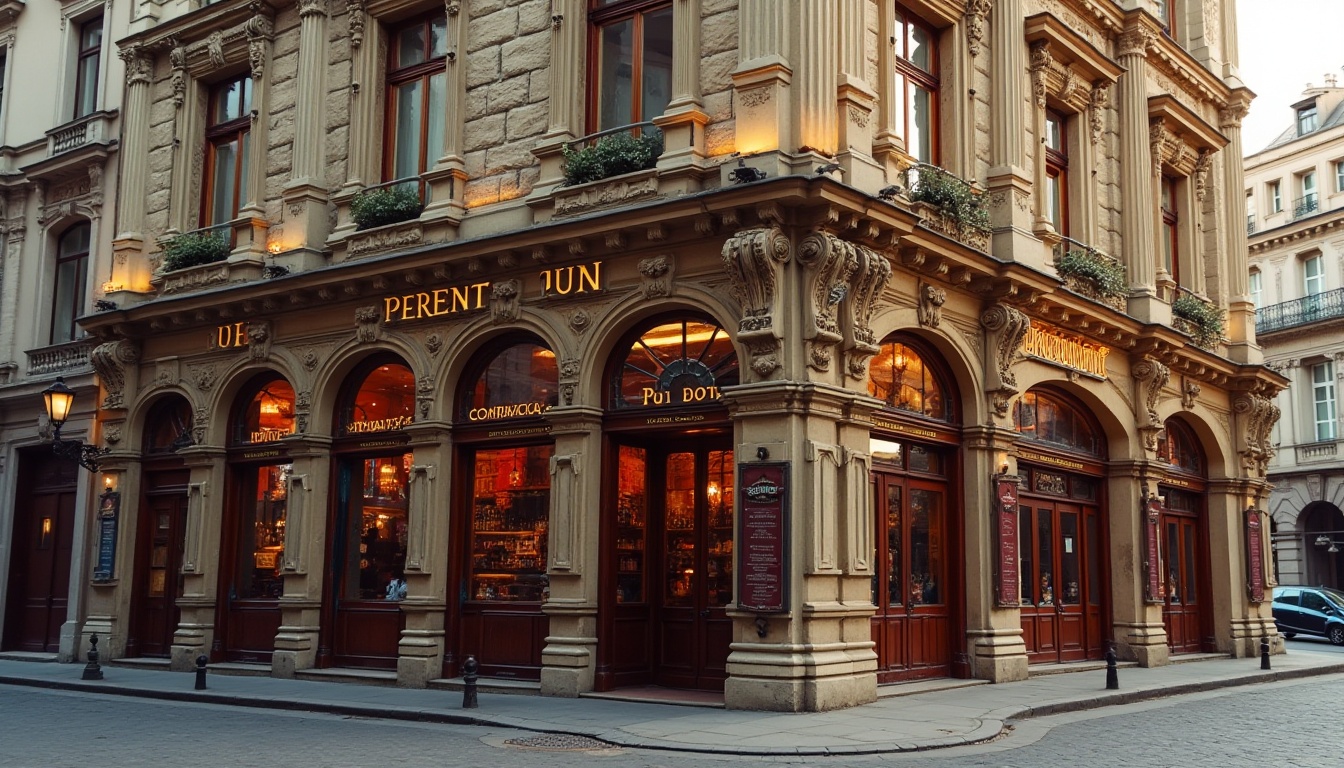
pixel 263 526
pixel 1048 419
pixel 899 377
pixel 268 416
pixel 385 400
pixel 520 381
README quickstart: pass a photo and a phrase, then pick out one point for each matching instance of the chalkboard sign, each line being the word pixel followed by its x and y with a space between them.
pixel 1006 535
pixel 109 510
pixel 1255 557
pixel 762 573
pixel 1152 517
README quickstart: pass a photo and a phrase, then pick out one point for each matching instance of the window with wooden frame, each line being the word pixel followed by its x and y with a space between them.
pixel 417 97
pixel 86 66
pixel 1171 221
pixel 917 85
pixel 1057 171
pixel 630 55
pixel 226 150
pixel 72 272
pixel 1169 13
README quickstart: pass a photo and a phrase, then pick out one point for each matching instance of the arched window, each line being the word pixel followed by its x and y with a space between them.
pixel 382 400
pixel 677 362
pixel 168 426
pixel 1048 418
pixel 72 272
pixel 267 414
pixel 1179 448
pixel 899 376
pixel 520 381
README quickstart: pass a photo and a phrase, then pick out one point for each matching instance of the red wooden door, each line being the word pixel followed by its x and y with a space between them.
pixel 1061 581
pixel 1182 610
pixel 255 540
pixel 162 530
pixel 39 575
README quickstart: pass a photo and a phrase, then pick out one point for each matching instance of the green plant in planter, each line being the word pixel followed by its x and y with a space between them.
pixel 953 197
pixel 1205 317
pixel 193 249
pixel 1108 276
pixel 385 205
pixel 611 156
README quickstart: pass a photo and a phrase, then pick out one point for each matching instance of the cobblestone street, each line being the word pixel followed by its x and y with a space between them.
pixel 1280 723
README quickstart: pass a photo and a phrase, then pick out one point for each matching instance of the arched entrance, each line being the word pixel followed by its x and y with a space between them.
pixel 1323 544
pixel 367 530
pixel 161 530
pixel 255 519
pixel 503 514
pixel 667 517
pixel 1184 545
pixel 1062 545
pixel 917 587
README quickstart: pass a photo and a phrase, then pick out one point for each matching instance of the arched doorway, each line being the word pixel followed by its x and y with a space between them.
pixel 367 529
pixel 1184 545
pixel 1064 593
pixel 667 516
pixel 161 530
pixel 502 515
pixel 253 542
pixel 1323 544
pixel 41 543
pixel 917 585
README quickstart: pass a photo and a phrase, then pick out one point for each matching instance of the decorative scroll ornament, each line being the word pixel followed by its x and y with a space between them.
pixel 1006 327
pixel 1150 377
pixel 177 59
pixel 1256 417
pixel 869 281
pixel 1202 166
pixel 214 49
pixel 657 272
pixel 424 395
pixel 976 11
pixel 139 65
pixel 504 301
pixel 259 34
pixel 754 260
pixel 259 339
pixel 1040 68
pixel 830 263
pixel 312 7
pixel 111 361
pixel 931 300
pixel 366 324
pixel 1101 93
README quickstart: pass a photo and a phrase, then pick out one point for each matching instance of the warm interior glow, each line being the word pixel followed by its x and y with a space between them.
pixel 58 399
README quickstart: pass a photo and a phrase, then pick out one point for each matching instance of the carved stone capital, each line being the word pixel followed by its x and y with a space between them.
pixel 754 261
pixel 1150 377
pixel 976 11
pixel 1006 327
pixel 829 262
pixel 867 284
pixel 111 361
pixel 1135 41
pixel 931 300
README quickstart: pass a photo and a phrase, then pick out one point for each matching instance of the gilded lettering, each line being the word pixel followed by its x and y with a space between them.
pixel 460 297
pixel 440 301
pixel 590 279
pixel 422 305
pixel 390 306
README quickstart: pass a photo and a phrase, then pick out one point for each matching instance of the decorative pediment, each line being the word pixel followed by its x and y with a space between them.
pixel 1067 69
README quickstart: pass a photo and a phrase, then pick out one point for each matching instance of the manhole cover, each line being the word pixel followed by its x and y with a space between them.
pixel 558 742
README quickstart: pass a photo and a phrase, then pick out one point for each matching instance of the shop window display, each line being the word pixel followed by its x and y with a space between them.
pixel 899 377
pixel 263 522
pixel 510 518
pixel 268 416
pixel 379 510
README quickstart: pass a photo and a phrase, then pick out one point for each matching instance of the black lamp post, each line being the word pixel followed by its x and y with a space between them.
pixel 58 399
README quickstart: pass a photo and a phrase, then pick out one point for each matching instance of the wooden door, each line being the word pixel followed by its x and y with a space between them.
pixel 162 531
pixel 39 574
pixel 1061 581
pixel 1182 608
pixel 693 579
pixel 912 626
pixel 254 544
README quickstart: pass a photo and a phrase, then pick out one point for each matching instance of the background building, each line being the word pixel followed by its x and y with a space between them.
pixel 59 140
pixel 637 343
pixel 1294 208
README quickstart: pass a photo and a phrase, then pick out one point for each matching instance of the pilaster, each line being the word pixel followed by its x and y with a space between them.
pixel 447 179
pixel 1242 346
pixel 1138 630
pixel 763 84
pixel 1010 182
pixel 565 120
pixel 195 632
pixel 130 270
pixel 421 647
pixel 305 195
pixel 856 103
pixel 1138 202
pixel 296 642
pixel 994 644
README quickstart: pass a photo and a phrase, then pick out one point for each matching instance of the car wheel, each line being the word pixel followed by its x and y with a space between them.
pixel 1289 635
pixel 1336 634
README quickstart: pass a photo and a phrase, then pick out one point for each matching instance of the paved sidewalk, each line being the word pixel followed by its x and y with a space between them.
pixel 924 720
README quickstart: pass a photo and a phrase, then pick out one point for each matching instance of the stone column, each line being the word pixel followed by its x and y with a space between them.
pixel 1242 347
pixel 206 497
pixel 421 648
pixel 296 643
pixel 763 84
pixel 816 81
pixel 305 195
pixel 888 142
pixel 1138 204
pixel 1138 629
pixel 1010 182
pixel 448 178
pixel 364 145
pixel 130 269
pixel 14 227
pixel 683 123
pixel 856 102
pixel 566 103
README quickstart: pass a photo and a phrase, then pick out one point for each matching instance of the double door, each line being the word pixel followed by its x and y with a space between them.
pixel 1183 609
pixel 162 533
pixel 256 539
pixel 1061 589
pixel 912 626
pixel 39 576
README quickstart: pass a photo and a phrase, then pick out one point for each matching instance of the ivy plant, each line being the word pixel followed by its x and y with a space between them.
pixel 1204 317
pixel 611 156
pixel 1107 276
pixel 193 249
pixel 385 205
pixel 953 197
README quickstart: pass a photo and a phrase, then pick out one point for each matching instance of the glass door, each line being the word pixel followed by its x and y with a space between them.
pixel 164 520
pixel 256 586
pixel 1060 581
pixel 1182 609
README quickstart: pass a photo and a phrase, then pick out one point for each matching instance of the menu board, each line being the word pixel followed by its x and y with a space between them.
pixel 1152 516
pixel 1005 526
pixel 1255 557
pixel 109 508
pixel 762 574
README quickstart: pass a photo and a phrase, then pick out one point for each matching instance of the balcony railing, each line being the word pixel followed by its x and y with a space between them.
pixel 1326 450
pixel 1250 224
pixel 95 128
pixel 1305 206
pixel 1308 309
pixel 68 358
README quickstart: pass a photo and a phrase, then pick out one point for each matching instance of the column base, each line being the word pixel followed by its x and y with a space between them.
pixel 800 678
pixel 999 655
pixel 190 641
pixel 1144 643
pixel 1246 634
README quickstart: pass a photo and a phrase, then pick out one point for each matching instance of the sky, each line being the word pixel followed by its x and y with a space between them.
pixel 1285 44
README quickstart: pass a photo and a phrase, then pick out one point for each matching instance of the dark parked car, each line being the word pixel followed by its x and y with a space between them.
pixel 1310 611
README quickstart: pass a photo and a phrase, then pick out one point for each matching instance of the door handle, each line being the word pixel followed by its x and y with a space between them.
pixel 704 614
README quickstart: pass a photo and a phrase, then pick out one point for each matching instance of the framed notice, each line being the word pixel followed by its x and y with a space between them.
pixel 1255 557
pixel 763 565
pixel 109 510
pixel 1152 566
pixel 1007 570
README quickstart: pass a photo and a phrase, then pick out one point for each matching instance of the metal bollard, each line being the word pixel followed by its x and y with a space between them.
pixel 1112 674
pixel 201 661
pixel 91 670
pixel 1264 652
pixel 469 677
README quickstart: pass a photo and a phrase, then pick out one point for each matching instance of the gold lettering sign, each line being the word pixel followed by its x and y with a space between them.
pixel 269 435
pixel 892 426
pixel 228 336
pixel 1052 345
pixel 556 281
pixel 507 411
pixel 260 454
pixel 654 396
pixel 1031 456
pixel 673 419
pixel 377 425
pixel 519 432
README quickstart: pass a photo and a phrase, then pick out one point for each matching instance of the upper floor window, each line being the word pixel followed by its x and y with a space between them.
pixel 1313 275
pixel 1275 197
pixel 1250 213
pixel 1339 167
pixel 633 65
pixel 1257 288
pixel 226 149
pixel 417 95
pixel 917 85
pixel 3 63
pixel 1323 399
pixel 1169 13
pixel 86 66
pixel 1171 245
pixel 1306 119
pixel 1057 172
pixel 72 272
pixel 1309 201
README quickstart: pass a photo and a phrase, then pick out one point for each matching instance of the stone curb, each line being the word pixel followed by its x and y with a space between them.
pixel 990 727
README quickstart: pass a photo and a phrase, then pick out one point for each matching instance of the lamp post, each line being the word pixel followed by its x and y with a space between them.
pixel 58 400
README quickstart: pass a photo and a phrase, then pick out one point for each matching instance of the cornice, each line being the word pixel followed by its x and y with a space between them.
pixel 1071 49
pixel 1302 229
pixel 199 24
pixel 1169 58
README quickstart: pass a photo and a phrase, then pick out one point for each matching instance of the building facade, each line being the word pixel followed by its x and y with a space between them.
pixel 671 343
pixel 1295 202
pixel 59 141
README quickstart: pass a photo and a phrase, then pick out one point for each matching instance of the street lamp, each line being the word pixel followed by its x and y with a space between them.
pixel 58 399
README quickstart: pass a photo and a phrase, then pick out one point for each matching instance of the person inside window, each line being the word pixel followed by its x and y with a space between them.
pixel 396 588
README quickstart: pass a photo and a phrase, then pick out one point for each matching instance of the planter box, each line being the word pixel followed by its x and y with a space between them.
pixel 934 219
pixel 607 193
pixel 368 242
pixel 204 276
pixel 1084 287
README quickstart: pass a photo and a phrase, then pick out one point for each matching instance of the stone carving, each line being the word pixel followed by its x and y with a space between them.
pixel 199 425
pixel 1202 166
pixel 605 194
pixel 309 359
pixel 424 395
pixel 579 321
pixel 354 10
pixel 1150 377
pixel 931 300
pixel 504 301
pixel 1006 327
pixel 976 11
pixel 657 272
pixel 194 278
pixel 214 49
pixel 312 7
pixel 177 59
pixel 1100 99
pixel 258 31
pixel 1135 41
pixel 434 343
pixel 367 325
pixel 869 281
pixel 755 97
pixel 1256 417
pixel 1189 394
pixel 139 65
pixel 203 376
pixel 112 433
pixel 754 260
pixel 830 263
pixel 1039 68
pixel 111 360
pixel 259 339
pixel 384 239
